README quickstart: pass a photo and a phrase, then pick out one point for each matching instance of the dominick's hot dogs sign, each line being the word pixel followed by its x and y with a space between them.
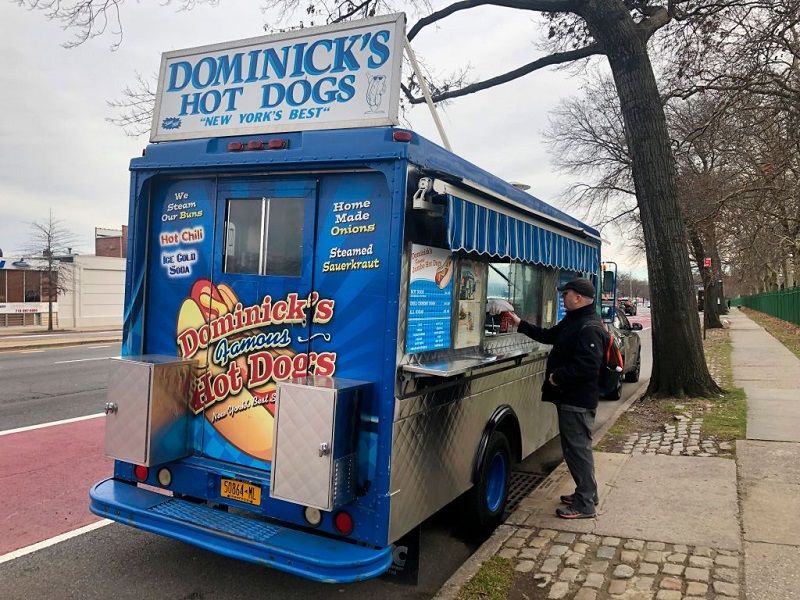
pixel 343 75
pixel 242 352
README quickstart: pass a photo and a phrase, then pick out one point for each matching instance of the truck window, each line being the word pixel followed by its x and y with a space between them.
pixel 519 284
pixel 264 236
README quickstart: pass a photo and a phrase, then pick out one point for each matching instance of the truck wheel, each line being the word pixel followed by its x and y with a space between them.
pixel 486 501
pixel 633 376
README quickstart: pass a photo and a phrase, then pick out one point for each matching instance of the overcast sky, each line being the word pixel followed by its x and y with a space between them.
pixel 60 153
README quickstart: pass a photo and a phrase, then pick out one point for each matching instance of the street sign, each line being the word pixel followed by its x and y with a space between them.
pixel 707 263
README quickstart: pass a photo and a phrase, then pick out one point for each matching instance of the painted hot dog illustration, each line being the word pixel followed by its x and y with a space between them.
pixel 243 418
pixel 444 274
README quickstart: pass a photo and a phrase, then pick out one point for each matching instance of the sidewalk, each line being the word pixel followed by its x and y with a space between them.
pixel 675 527
pixel 768 461
pixel 16 338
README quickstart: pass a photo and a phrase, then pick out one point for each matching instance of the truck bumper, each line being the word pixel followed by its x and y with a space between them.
pixel 306 554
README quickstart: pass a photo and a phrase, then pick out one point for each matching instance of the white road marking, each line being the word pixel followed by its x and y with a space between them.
pixel 53 540
pixel 95 347
pixel 63 334
pixel 50 424
pixel 63 362
pixel 29 351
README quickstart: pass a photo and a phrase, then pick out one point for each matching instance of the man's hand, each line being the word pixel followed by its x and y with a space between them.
pixel 552 381
pixel 514 318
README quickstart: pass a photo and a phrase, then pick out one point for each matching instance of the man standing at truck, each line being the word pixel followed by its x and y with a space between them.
pixel 571 383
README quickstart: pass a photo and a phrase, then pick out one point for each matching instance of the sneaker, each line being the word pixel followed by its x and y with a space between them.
pixel 570 498
pixel 572 513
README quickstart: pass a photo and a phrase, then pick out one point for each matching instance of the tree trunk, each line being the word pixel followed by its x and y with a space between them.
pixel 717 271
pixel 679 366
pixel 713 298
pixel 710 288
pixel 49 296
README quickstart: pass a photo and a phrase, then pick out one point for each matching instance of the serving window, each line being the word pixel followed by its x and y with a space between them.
pixel 521 286
pixel 264 236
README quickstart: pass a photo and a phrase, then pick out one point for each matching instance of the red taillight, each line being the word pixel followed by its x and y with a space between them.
pixel 255 145
pixel 277 144
pixel 140 472
pixel 401 136
pixel 235 146
pixel 343 523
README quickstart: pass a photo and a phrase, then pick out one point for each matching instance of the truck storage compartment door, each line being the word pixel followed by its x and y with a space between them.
pixel 315 442
pixel 262 300
pixel 147 408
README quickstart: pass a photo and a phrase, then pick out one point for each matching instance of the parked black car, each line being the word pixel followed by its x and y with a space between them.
pixel 631 348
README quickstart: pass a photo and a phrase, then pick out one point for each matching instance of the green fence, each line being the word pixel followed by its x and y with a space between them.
pixel 784 304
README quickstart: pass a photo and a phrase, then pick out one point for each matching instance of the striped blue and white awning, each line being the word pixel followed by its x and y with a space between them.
pixel 476 228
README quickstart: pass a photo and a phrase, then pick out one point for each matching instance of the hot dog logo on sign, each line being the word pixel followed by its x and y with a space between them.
pixel 343 75
pixel 236 378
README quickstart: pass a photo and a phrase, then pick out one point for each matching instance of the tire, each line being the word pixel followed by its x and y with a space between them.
pixel 486 501
pixel 633 376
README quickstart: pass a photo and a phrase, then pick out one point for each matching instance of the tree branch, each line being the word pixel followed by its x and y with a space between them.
pixel 535 5
pixel 553 59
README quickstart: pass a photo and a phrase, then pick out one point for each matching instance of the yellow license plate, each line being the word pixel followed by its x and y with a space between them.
pixel 241 491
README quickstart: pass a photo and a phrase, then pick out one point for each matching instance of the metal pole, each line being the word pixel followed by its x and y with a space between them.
pixel 426 92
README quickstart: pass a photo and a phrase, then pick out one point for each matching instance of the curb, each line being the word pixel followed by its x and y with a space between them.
pixel 451 588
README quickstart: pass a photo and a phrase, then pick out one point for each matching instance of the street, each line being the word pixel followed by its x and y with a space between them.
pixel 45 474
pixel 42 385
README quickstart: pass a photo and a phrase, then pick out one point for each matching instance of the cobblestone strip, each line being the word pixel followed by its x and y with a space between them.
pixel 681 439
pixel 592 567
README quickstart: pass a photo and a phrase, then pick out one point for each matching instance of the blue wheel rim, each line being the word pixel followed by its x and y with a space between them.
pixel 496 482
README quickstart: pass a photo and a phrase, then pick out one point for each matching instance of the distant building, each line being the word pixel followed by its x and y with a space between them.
pixel 23 291
pixel 111 242
pixel 94 287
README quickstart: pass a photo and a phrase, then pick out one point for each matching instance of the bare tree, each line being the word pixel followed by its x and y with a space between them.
pixel 620 31
pixel 49 241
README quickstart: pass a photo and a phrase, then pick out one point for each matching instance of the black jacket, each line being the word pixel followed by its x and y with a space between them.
pixel 578 341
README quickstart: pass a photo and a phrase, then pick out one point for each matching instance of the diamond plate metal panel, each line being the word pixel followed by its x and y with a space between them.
pixel 436 436
pixel 148 420
pixel 127 428
pixel 197 514
pixel 304 419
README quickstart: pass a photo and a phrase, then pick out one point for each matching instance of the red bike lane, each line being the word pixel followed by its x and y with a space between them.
pixel 45 476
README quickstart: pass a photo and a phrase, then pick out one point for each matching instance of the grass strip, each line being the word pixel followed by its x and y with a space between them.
pixel 724 416
pixel 492 581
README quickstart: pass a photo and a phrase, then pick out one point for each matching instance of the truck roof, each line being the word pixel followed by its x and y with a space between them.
pixel 358 145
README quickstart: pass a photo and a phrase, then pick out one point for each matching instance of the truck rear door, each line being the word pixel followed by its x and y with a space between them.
pixel 261 302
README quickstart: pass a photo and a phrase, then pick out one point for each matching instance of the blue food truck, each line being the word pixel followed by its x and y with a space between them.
pixel 313 362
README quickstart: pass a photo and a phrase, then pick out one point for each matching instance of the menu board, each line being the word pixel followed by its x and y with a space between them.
pixel 430 299
pixel 471 288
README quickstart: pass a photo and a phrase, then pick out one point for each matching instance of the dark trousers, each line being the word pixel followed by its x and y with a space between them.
pixel 576 444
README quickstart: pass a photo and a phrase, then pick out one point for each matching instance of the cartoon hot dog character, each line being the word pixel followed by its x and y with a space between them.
pixel 444 273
